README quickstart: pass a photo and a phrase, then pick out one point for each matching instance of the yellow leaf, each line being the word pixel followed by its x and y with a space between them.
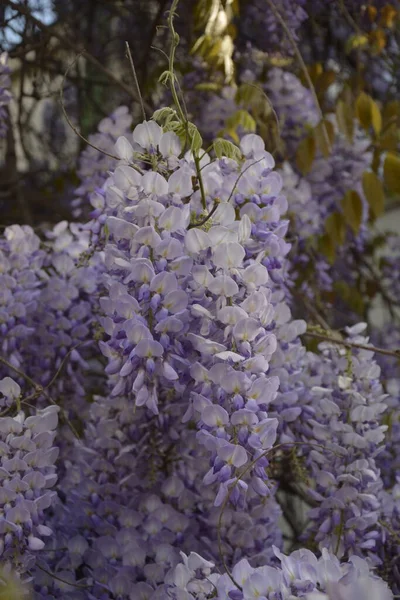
pixel 305 154
pixel 376 117
pixel 324 81
pixel 315 71
pixel 374 194
pixel 356 41
pixel 391 112
pixel 241 118
pixel 377 39
pixel 344 116
pixel 390 138
pixel 388 16
pixel 376 160
pixel 391 172
pixel 325 135
pixel 352 209
pixel 364 110
pixel 335 227
pixel 232 133
pixel 372 12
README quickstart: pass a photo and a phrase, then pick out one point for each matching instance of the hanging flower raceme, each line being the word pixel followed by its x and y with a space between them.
pixel 27 476
pixel 189 308
pixel 348 405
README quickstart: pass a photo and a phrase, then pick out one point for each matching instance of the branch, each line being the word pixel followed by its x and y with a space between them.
pixel 347 344
pixel 66 42
pixel 39 389
pixel 135 79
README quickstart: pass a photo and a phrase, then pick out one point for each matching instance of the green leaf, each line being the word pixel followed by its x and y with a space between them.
pixel 196 141
pixel 226 148
pixel 164 115
pixel 391 172
pixel 352 209
pixel 305 154
pixel 373 191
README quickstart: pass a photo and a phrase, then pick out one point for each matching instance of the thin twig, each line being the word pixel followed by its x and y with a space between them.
pixel 132 64
pixel 347 344
pixel 75 129
pixel 76 585
pixel 39 390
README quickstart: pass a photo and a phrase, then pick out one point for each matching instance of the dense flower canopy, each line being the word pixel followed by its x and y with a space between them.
pixel 190 409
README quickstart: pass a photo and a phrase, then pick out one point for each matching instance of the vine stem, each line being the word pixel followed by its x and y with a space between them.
pixel 303 65
pixel 206 218
pixel 75 129
pixel 181 114
pixel 347 344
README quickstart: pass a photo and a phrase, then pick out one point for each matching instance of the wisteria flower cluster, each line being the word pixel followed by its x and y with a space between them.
pixel 171 428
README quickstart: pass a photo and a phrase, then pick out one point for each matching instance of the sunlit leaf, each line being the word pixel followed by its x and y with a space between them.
pixel 377 40
pixel 372 11
pixel 242 118
pixel 355 42
pixel 363 110
pixel 373 191
pixel 376 117
pixel 388 16
pixel 208 87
